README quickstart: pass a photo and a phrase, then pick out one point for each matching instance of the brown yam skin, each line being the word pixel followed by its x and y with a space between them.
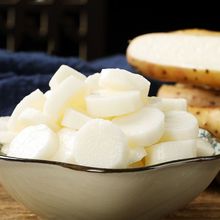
pixel 176 74
pixel 208 118
pixel 197 32
pixel 195 96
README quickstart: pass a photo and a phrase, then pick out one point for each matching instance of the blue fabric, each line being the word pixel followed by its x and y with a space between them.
pixel 22 72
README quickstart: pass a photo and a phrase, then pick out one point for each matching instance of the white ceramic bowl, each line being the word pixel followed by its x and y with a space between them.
pixel 56 190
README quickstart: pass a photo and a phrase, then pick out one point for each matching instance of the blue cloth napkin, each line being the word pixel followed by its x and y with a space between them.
pixel 23 72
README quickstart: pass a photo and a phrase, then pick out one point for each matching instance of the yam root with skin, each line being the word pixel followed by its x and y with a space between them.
pixel 187 56
pixel 195 96
pixel 208 117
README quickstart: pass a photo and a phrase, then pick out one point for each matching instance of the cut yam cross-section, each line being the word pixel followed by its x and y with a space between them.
pixel 178 56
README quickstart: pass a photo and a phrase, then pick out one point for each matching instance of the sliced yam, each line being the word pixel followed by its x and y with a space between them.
pixel 31 116
pixel 171 150
pixel 47 94
pixel 208 118
pixel 105 103
pixel 203 104
pixel 119 79
pixel 195 96
pixel 34 142
pixel 100 143
pixel 66 145
pixel 180 125
pixel 177 57
pixel 36 100
pixel 62 73
pixel 92 83
pixel 4 123
pixel 136 154
pixel 74 119
pixel 67 94
pixel 167 104
pixel 142 128
pixel 6 136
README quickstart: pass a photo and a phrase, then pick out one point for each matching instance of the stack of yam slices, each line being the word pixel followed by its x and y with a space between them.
pixel 189 58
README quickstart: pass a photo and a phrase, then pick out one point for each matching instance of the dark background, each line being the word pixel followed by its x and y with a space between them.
pixel 139 17
pixel 95 28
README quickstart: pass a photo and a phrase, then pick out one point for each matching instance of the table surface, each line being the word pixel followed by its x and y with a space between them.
pixel 205 207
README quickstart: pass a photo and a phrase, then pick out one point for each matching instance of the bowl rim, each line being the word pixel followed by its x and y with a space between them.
pixel 90 169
